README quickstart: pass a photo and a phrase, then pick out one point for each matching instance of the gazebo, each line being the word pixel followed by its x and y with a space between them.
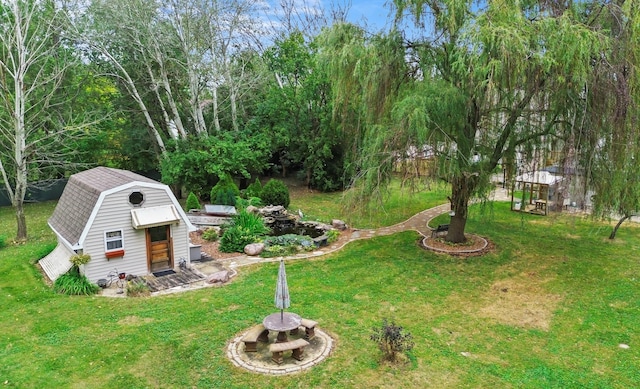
pixel 534 190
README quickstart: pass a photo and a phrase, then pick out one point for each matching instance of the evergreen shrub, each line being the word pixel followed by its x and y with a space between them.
pixel 225 190
pixel 192 202
pixel 253 190
pixel 275 192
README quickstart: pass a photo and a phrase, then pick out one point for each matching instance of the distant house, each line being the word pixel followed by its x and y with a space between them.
pixel 123 220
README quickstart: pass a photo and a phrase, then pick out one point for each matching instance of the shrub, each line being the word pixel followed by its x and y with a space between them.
pixel 137 288
pixel 72 283
pixel 225 196
pixel 253 190
pixel 245 228
pixel 391 340
pixel 3 241
pixel 210 234
pixel 332 236
pixel 244 203
pixel 80 259
pixel 276 246
pixel 226 185
pixel 192 202
pixel 275 192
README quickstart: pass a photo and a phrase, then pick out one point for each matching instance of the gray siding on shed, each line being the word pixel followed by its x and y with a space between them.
pixel 115 214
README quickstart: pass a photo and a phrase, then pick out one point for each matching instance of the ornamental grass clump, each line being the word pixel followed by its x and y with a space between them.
pixel 245 228
pixel 74 283
pixel 137 288
pixel 391 340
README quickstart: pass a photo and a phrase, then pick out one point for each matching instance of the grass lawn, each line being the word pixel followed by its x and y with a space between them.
pixel 548 309
pixel 399 205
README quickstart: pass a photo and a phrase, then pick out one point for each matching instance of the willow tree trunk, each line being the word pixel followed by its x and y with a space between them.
pixel 615 229
pixel 461 189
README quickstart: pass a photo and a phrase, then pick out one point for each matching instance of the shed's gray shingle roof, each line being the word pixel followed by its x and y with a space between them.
pixel 81 195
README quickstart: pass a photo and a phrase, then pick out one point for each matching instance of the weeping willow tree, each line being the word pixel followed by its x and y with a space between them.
pixel 614 116
pixel 474 85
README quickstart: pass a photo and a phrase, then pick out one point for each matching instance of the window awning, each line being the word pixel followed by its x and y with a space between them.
pixel 154 216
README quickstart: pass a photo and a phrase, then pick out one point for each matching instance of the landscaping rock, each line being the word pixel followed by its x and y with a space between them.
pixel 218 277
pixel 339 224
pixel 252 209
pixel 254 249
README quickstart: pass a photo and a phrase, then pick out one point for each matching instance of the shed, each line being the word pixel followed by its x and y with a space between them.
pixel 535 189
pixel 123 220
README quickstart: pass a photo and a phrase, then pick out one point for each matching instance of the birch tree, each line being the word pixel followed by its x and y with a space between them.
pixel 36 126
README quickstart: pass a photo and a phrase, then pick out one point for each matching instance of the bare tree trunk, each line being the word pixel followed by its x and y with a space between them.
pixel 216 118
pixel 615 229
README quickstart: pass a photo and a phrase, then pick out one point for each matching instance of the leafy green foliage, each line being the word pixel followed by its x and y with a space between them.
pixel 225 191
pixel 3 241
pixel 72 283
pixel 275 192
pixel 225 196
pixel 210 234
pixel 80 259
pixel 253 190
pixel 296 111
pixel 332 236
pixel 245 228
pixel 195 162
pixel 192 202
pixel 392 339
pixel 287 244
pixel 242 203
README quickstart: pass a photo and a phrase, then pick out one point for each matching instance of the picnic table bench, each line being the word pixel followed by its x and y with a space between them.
pixel 296 346
pixel 439 229
pixel 309 328
pixel 255 334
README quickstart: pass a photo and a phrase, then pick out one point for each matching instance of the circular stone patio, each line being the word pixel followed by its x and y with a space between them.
pixel 318 350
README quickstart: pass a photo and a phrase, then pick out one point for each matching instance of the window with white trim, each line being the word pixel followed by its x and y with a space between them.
pixel 113 240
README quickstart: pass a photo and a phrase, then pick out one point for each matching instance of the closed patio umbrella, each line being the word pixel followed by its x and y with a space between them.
pixel 282 291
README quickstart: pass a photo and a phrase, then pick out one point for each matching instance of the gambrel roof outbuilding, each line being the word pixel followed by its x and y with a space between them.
pixel 82 194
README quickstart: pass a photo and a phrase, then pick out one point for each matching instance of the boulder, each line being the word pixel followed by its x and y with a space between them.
pixel 218 277
pixel 339 224
pixel 254 248
pixel 252 209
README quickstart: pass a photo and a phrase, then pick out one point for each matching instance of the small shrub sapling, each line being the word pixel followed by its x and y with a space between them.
pixel 391 340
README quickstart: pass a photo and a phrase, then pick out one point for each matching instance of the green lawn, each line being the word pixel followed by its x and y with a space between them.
pixel 399 205
pixel 548 309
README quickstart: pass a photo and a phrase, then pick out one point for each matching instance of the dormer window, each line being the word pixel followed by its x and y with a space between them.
pixel 136 198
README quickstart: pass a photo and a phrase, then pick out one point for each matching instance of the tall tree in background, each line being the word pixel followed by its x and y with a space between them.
pixel 613 142
pixel 37 89
pixel 486 81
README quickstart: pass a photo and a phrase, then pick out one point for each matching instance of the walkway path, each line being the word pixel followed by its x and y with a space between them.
pixel 418 222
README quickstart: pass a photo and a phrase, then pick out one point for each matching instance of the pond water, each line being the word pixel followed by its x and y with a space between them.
pixel 279 230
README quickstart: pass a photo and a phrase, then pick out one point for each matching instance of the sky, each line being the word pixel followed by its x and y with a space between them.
pixel 375 12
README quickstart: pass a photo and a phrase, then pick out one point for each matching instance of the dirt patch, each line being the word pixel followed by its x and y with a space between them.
pixel 212 249
pixel 520 301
